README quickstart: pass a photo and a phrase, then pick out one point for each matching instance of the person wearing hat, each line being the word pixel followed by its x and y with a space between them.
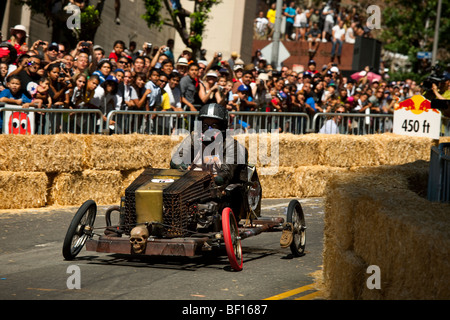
pixel 187 54
pixel 99 53
pixel 18 38
pixel 52 51
pixel 243 94
pixel 248 104
pixel 209 89
pixel 312 68
pixel 233 57
pixel 182 66
pixel 211 152
pixel 238 72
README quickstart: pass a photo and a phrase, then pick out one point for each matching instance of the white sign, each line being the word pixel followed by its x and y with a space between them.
pixel 162 180
pixel 17 122
pixel 414 117
pixel 283 53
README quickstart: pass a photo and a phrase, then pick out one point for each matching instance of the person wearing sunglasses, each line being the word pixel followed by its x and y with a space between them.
pixel 334 124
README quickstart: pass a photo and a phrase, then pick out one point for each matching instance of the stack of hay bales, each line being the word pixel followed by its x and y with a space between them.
pixel 73 168
pixel 372 217
pixel 68 169
pixel 307 162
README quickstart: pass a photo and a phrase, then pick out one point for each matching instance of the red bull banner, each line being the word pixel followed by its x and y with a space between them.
pixel 415 117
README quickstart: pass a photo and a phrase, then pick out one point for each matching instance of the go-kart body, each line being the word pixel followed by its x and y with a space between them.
pixel 181 213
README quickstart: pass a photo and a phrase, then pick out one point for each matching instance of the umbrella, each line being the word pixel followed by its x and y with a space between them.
pixel 370 76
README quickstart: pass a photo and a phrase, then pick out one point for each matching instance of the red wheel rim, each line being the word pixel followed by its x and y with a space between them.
pixel 231 239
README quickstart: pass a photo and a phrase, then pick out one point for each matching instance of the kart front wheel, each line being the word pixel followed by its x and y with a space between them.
pixel 80 229
pixel 232 239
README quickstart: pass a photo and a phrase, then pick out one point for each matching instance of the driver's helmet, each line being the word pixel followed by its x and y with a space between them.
pixel 215 111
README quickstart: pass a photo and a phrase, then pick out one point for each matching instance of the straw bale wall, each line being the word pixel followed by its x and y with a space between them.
pixel 374 186
pixel 67 169
pixel 378 219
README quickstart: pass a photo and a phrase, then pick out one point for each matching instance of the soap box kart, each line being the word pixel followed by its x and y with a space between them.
pixel 169 212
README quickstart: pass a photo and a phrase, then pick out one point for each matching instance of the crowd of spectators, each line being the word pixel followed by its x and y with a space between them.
pixel 46 75
pixel 329 23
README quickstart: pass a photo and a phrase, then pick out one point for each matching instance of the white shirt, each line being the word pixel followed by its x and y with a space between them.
pixel 348 36
pixel 330 127
pixel 338 32
pixel 261 24
pixel 303 17
pixel 98 97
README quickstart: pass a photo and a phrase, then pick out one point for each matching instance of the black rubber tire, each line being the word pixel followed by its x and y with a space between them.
pixel 297 218
pixel 76 236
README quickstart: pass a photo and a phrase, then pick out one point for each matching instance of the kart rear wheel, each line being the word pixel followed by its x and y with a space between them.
pixel 80 230
pixel 232 239
pixel 297 218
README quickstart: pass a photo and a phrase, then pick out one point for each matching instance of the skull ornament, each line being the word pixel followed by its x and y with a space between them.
pixel 138 239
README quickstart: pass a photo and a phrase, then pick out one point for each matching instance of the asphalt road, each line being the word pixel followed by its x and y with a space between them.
pixel 32 266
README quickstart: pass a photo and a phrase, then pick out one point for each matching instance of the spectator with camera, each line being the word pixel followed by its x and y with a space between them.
pixel 29 74
pixel 59 83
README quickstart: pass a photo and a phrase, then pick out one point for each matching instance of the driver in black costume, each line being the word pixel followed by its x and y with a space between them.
pixel 209 148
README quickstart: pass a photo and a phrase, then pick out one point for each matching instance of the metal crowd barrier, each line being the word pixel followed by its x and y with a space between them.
pixel 355 123
pixel 149 122
pixel 439 175
pixel 18 120
pixel 92 121
pixel 165 122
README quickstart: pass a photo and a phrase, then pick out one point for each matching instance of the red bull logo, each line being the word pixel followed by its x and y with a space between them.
pixel 416 104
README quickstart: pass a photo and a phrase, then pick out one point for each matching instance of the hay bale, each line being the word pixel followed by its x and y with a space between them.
pixel 298 151
pixel 400 149
pixel 344 273
pixel 128 177
pixel 350 151
pixel 20 190
pixel 339 150
pixel 298 182
pixel 42 153
pixel 128 152
pixel 104 187
pixel 372 214
pixel 409 231
pixel 311 181
pixel 279 185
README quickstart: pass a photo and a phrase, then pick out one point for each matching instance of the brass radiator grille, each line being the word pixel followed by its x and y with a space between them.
pixel 180 200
